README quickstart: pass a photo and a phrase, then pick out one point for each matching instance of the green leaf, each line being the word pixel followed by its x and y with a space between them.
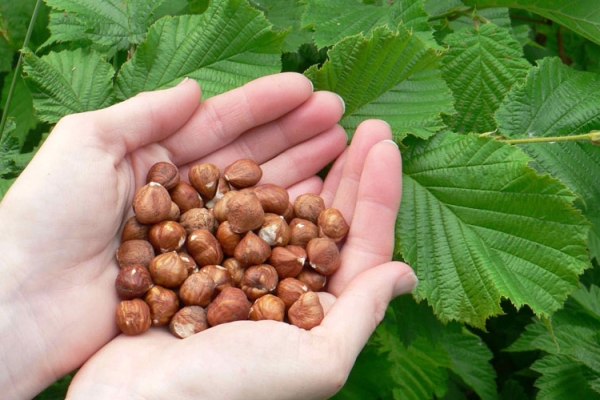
pixel 471 361
pixel 334 20
pixel 582 17
pixel 68 82
pixel 562 378
pixel 113 23
pixel 558 101
pixel 5 185
pixel 20 108
pixel 227 46
pixel 284 15
pixel 391 76
pixel 482 64
pixel 478 224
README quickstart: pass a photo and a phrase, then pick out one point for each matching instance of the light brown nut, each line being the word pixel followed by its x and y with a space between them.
pixel 309 206
pixel 167 236
pixel 133 317
pixel 230 305
pixel 168 270
pixel 243 173
pixel 133 230
pixel 185 196
pixel 227 238
pixel 267 307
pixel 244 212
pixel 151 203
pixel 306 312
pixel 274 230
pixel 197 290
pixel 332 224
pixel 135 252
pixel 219 274
pixel 164 173
pixel 302 231
pixel 259 280
pixel 252 250
pixel 197 218
pixel 204 247
pixel 133 281
pixel 289 290
pixel 163 304
pixel 273 198
pixel 188 321
pixel 288 260
pixel 236 270
pixel 313 279
pixel 323 255
pixel 205 179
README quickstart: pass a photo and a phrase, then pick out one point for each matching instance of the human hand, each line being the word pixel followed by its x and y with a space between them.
pixel 61 218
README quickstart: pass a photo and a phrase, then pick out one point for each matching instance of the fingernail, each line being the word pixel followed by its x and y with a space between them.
pixel 390 141
pixel 183 81
pixel 343 102
pixel 312 85
pixel 406 284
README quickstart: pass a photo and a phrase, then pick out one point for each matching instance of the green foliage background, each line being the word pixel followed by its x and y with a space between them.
pixel 502 227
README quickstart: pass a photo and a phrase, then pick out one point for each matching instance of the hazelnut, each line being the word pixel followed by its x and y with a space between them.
pixel 244 212
pixel 164 173
pixel 289 290
pixel 204 247
pixel 134 230
pixel 167 236
pixel 175 212
pixel 332 224
pixel 259 280
pixel 230 305
pixel 243 173
pixel 135 252
pixel 288 260
pixel 306 312
pixel 188 321
pixel 309 206
pixel 168 270
pixel 133 281
pixel 267 307
pixel 288 214
pixel 273 198
pixel 205 178
pixel 227 238
pixel 323 255
pixel 220 209
pixel 189 262
pixel 313 279
pixel 186 197
pixel 151 203
pixel 197 218
pixel 302 231
pixel 222 188
pixel 133 317
pixel 163 304
pixel 236 270
pixel 197 290
pixel 274 230
pixel 252 250
pixel 219 274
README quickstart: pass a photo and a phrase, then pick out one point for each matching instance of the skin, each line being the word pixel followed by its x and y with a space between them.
pixel 61 224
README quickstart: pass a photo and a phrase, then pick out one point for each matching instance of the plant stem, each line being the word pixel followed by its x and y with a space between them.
pixel 18 67
pixel 593 135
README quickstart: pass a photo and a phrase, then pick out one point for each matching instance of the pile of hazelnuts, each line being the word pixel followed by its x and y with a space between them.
pixel 223 248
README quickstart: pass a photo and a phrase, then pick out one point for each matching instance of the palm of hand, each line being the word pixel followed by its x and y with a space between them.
pixel 84 183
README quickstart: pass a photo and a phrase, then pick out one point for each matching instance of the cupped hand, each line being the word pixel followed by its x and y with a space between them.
pixel 267 359
pixel 61 218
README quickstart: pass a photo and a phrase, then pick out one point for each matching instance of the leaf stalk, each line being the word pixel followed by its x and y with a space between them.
pixel 593 136
pixel 13 83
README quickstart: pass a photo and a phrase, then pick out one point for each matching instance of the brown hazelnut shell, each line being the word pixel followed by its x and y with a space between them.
pixel 306 312
pixel 188 321
pixel 164 173
pixel 133 281
pixel 163 304
pixel 133 317
pixel 230 305
pixel 267 307
pixel 151 203
pixel 135 252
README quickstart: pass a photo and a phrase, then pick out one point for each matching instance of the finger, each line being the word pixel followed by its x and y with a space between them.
pixel 341 185
pixel 310 185
pixel 370 240
pixel 145 118
pixel 361 306
pixel 305 159
pixel 320 112
pixel 221 119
